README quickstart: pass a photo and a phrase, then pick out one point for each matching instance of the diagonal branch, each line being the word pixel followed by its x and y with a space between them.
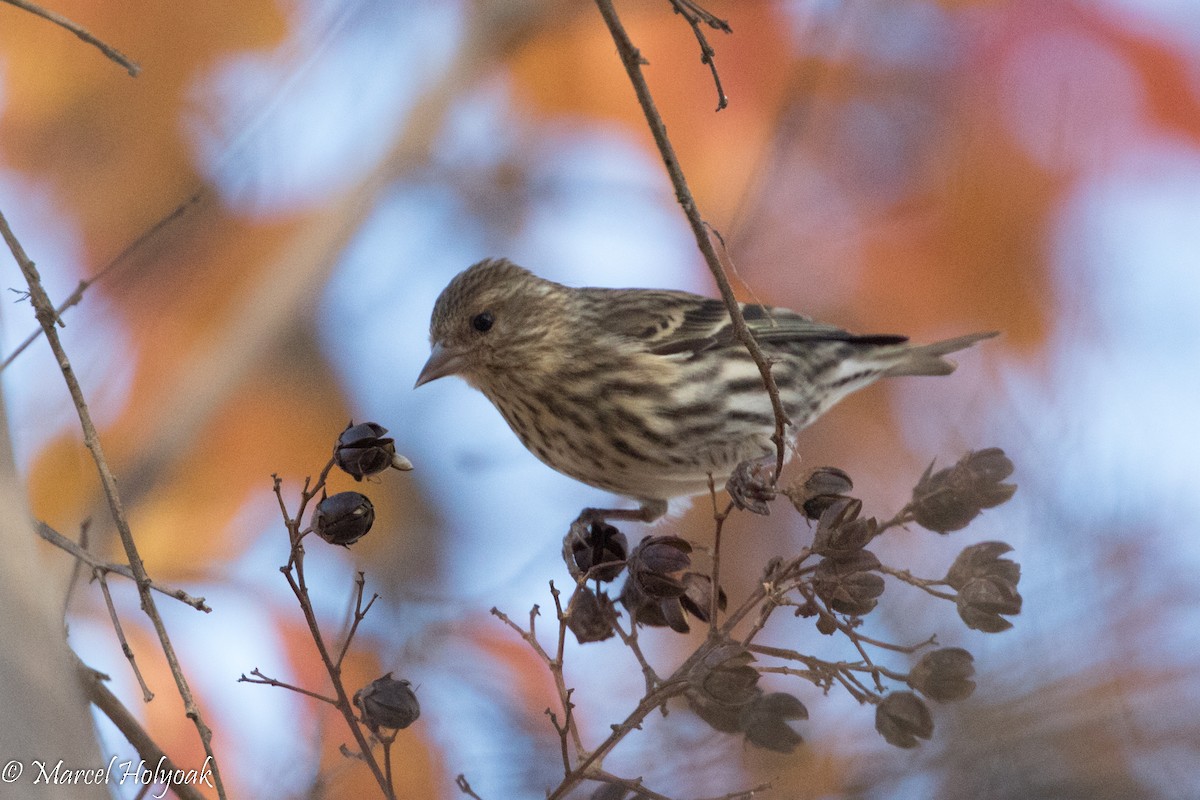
pixel 44 311
pixel 147 695
pixel 631 57
pixel 111 52
pixel 76 296
pixel 84 556
pixel 697 16
pixel 127 723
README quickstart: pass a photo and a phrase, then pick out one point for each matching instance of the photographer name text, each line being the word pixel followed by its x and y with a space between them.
pixel 120 773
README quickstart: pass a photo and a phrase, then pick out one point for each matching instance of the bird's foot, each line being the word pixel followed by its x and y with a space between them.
pixel 649 511
pixel 591 530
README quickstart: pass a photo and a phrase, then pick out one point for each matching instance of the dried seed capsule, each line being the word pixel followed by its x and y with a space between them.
pixel 387 703
pixel 363 450
pixel 902 718
pixel 344 518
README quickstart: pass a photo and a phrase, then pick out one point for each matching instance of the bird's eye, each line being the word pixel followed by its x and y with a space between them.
pixel 483 322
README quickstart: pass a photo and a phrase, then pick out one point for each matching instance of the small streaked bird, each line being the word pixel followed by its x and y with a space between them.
pixel 647 393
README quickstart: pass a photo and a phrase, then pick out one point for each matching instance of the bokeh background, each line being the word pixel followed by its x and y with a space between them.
pixel 911 166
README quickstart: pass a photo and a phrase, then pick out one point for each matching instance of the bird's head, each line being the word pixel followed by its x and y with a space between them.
pixel 494 317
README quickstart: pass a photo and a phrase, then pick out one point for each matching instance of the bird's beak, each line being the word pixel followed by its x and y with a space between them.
pixel 442 362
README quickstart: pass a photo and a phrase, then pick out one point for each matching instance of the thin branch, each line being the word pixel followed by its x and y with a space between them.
pixel 634 785
pixel 84 556
pixel 387 761
pixel 632 59
pixel 465 787
pixel 631 641
pixel 820 665
pixel 923 584
pixel 360 611
pixel 555 665
pixel 902 518
pixel 293 572
pixel 268 681
pixel 896 648
pixel 719 518
pixel 854 636
pixel 743 794
pixel 147 695
pixel 640 790
pixel 560 681
pixel 592 761
pixel 76 567
pixel 44 311
pixel 76 296
pixel 697 16
pixel 131 729
pixel 112 53
pixel 564 730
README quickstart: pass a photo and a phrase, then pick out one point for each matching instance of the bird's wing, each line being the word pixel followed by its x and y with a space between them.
pixel 673 323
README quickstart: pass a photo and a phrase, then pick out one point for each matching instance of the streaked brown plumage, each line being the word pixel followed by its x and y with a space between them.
pixel 646 393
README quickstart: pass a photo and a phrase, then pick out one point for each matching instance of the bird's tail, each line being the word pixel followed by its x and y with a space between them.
pixel 927 359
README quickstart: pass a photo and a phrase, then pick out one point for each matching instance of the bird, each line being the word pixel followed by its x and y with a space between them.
pixel 649 393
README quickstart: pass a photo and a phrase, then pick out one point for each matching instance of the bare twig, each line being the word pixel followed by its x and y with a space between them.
pixel 44 311
pixel 592 760
pixel 772 588
pixel 697 16
pixel 131 729
pixel 259 677
pixel 74 297
pixel 84 556
pixel 360 611
pixel 588 762
pixel 386 742
pixel 98 574
pixel 631 57
pixel 567 727
pixel 630 639
pixel 560 682
pixel 76 567
pixel 902 518
pixel 109 51
pixel 293 572
pixel 743 794
pixel 820 665
pixel 634 785
pixel 465 787
pixel 923 584
pixel 719 518
pixel 641 792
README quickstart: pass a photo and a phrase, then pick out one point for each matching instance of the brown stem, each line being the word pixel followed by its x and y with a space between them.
pixel 923 584
pixel 695 15
pixel 567 729
pixel 44 311
pixel 719 518
pixel 360 611
pixel 74 297
pixel 592 761
pixel 632 60
pixel 84 556
pixel 631 641
pixel 259 677
pixel 294 573
pixel 131 729
pixel 147 695
pixel 465 787
pixel 109 51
